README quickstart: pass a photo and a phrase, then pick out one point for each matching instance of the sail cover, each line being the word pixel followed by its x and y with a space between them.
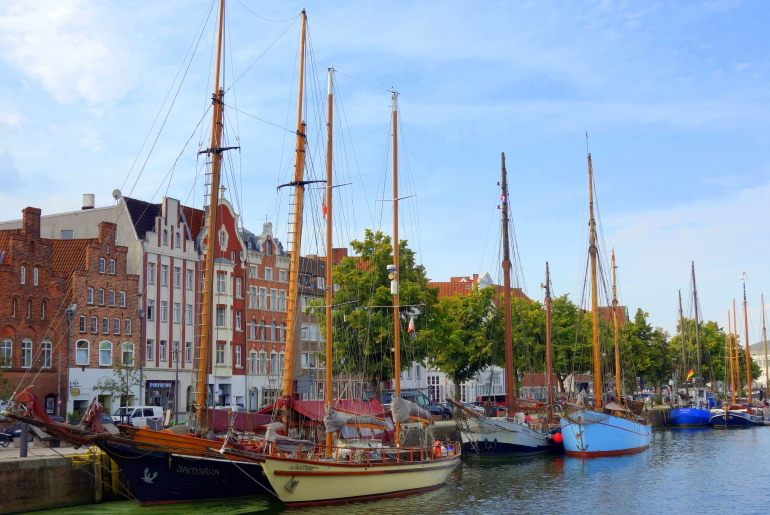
pixel 335 420
pixel 402 409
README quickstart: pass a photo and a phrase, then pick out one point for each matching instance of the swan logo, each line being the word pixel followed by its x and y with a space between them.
pixel 148 478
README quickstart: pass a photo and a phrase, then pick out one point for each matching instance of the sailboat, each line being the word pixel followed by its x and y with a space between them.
pixel 505 436
pixel 697 411
pixel 610 429
pixel 328 473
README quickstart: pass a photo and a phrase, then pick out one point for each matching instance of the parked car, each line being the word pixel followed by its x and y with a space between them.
pixel 14 431
pixel 138 415
pixel 419 398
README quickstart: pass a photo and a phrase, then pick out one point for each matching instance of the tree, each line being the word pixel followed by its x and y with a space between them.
pixel 463 346
pixel 650 355
pixel 363 316
pixel 571 337
pixel 126 374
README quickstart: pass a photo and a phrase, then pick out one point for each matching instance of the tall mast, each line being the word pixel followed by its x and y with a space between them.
pixel 295 227
pixel 510 364
pixel 737 367
pixel 730 364
pixel 329 247
pixel 681 335
pixel 214 152
pixel 764 337
pixel 548 342
pixel 593 254
pixel 697 323
pixel 618 384
pixel 748 352
pixel 396 273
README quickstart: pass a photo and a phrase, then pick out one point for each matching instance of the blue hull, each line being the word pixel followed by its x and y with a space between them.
pixel 160 477
pixel 588 434
pixel 690 417
pixel 736 419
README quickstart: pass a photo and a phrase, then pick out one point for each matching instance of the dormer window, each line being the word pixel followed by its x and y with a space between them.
pixel 268 247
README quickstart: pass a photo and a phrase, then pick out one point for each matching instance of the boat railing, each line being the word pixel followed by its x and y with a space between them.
pixel 370 455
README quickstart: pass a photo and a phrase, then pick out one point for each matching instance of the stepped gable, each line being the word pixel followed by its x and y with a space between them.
pixel 143 215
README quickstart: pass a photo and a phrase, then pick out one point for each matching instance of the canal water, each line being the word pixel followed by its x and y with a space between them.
pixel 685 471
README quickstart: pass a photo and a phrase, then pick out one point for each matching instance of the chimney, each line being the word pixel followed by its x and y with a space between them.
pixel 475 278
pixel 338 254
pixel 32 222
pixel 88 201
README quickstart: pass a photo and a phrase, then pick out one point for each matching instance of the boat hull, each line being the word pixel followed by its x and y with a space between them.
pixel 159 477
pixel 690 417
pixel 510 440
pixel 588 434
pixel 300 482
pixel 736 419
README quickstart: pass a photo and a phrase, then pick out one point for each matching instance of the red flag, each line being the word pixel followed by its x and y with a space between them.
pixel 325 210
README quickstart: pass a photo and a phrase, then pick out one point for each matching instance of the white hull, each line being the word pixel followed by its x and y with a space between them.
pixel 511 439
pixel 588 434
pixel 307 482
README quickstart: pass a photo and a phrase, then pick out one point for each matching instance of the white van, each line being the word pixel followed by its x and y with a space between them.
pixel 139 416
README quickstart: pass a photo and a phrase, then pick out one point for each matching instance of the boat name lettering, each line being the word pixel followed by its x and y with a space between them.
pixel 197 471
pixel 302 467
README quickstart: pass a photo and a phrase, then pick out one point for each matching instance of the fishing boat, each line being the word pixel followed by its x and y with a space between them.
pixel 611 428
pixel 329 472
pixel 511 435
pixel 694 401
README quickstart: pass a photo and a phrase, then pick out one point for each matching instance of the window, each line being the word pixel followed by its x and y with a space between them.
pixel 283 332
pixel 262 298
pixel 253 271
pixel 112 266
pixel 178 239
pixel 105 354
pixel 238 287
pixel 67 234
pixel 23 275
pixel 189 279
pixel 220 353
pixel 252 330
pixel 165 237
pixel 238 314
pixel 6 353
pixel 43 309
pixel 280 362
pixel 177 277
pixel 238 356
pixel 188 352
pixel 107 249
pixel 26 353
pixel 220 316
pixel 320 283
pixel 82 324
pixel 14 307
pixel 253 362
pixel 115 326
pixel 100 296
pixel 262 362
pixel 122 298
pixel 177 313
pixel 253 297
pixel 163 348
pixel 150 309
pixel 304 361
pixel 312 360
pixel 268 274
pixel 305 280
pixel 128 354
pixel 127 326
pixel 102 265
pixel 150 350
pixel 164 275
pixel 90 296
pixel 189 314
pixel 221 283
pixel 94 325
pixel 273 363
pixel 272 331
pixel 175 352
pixel 150 273
pixel 81 352
pixel 163 311
pixel 29 309
pixel 273 299
pixel 105 325
pixel 262 330
pixel 282 276
pixel 268 247
pixel 112 297
pixel 35 276
pixel 282 300
pixel 232 256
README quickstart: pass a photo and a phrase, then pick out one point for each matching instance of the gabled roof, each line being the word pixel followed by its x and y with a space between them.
pixel 194 219
pixel 5 240
pixel 143 215
pixel 70 255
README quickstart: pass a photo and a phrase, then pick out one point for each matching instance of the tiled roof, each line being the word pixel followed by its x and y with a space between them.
pixel 5 237
pixel 143 215
pixel 194 218
pixel 70 255
pixel 448 289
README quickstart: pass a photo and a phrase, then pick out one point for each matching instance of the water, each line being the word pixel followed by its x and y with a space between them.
pixel 685 471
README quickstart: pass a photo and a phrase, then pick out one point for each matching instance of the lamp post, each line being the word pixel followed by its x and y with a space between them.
pixel 140 314
pixel 176 385
pixel 70 312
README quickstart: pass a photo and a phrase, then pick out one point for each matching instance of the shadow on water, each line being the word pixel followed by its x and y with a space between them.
pixel 724 470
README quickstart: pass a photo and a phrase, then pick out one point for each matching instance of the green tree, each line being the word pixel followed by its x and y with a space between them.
pixel 126 375
pixel 651 355
pixel 571 337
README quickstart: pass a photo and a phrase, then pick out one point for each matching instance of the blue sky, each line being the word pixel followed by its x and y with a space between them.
pixel 674 96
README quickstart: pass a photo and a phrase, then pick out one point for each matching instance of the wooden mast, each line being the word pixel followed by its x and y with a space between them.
pixel 737 367
pixel 395 286
pixel 729 341
pixel 748 352
pixel 681 335
pixel 764 337
pixel 548 342
pixel 329 257
pixel 593 255
pixel 697 324
pixel 214 151
pixel 510 364
pixel 295 227
pixel 618 384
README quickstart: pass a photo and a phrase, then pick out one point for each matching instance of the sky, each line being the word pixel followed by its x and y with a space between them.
pixel 97 96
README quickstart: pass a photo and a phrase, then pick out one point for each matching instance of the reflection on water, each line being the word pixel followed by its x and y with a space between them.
pixel 684 471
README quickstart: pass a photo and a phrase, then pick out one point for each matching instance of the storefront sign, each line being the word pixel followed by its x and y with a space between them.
pixel 158 384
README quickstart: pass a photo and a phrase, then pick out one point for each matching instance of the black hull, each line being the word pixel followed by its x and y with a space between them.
pixel 495 449
pixel 158 477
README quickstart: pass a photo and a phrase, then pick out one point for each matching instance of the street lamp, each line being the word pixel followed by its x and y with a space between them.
pixel 70 312
pixel 176 385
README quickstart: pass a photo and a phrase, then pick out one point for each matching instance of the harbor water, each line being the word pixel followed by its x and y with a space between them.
pixel 684 471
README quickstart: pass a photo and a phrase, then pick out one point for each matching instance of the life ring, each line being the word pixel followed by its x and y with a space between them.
pixel 437 449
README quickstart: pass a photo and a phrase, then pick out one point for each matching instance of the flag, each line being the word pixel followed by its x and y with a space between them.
pixel 324 210
pixel 690 374
pixel 411 328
